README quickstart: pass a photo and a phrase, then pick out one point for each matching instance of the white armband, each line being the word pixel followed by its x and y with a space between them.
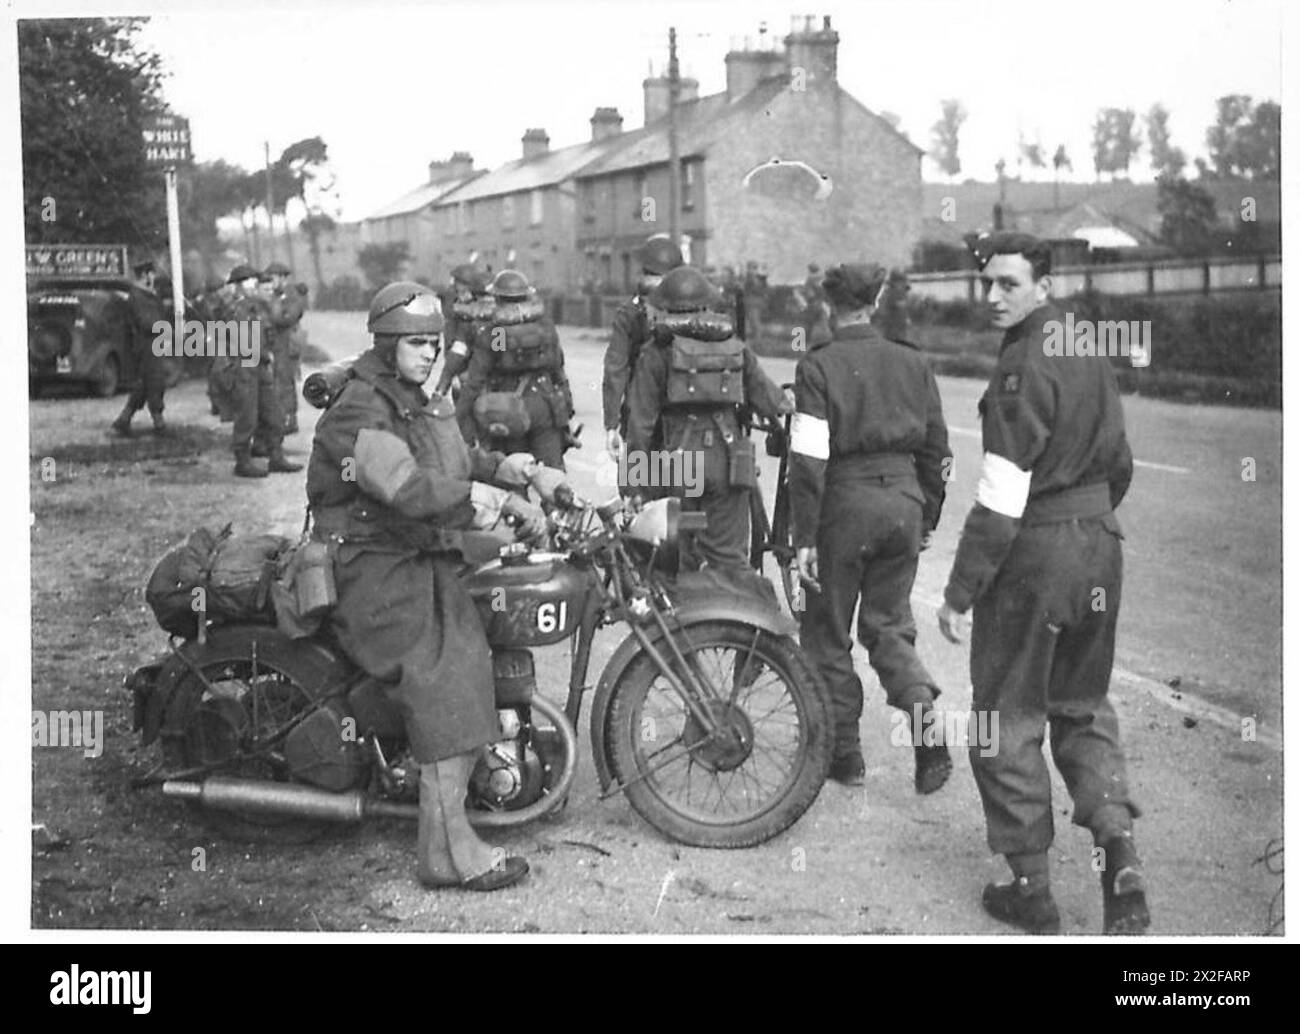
pixel 1003 487
pixel 810 436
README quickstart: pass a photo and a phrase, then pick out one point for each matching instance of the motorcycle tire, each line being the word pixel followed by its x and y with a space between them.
pixel 206 725
pixel 642 704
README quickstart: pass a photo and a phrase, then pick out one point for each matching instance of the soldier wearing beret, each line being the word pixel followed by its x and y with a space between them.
pixel 868 449
pixel 1040 565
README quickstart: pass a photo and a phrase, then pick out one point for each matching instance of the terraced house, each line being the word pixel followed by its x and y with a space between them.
pixel 780 168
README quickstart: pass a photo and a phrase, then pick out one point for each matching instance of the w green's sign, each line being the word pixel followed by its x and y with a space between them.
pixel 77 260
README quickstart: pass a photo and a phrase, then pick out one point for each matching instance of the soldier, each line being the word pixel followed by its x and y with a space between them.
pixel 868 446
pixel 1040 561
pixel 891 314
pixel 221 371
pixel 287 305
pixel 470 307
pixel 815 312
pixel 629 332
pixel 257 407
pixel 149 370
pixel 398 529
pixel 695 376
pixel 515 392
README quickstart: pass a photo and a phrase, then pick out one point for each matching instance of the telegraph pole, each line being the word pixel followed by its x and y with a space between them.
pixel 270 210
pixel 674 165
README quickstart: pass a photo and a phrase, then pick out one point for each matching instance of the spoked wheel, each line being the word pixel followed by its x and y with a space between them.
pixel 235 726
pixel 751 778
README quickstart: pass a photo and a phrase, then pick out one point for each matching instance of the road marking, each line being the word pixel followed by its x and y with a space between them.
pixel 1188 703
pixel 970 432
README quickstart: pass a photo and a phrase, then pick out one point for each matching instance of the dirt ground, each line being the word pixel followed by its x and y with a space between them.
pixel 878 860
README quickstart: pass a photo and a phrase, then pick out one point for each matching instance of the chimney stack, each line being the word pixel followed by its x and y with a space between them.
pixel 458 166
pixel 655 91
pixel 812 49
pixel 749 66
pixel 606 122
pixel 536 143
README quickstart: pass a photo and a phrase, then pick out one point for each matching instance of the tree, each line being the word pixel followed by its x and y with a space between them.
pixel 86 86
pixel 382 263
pixel 1031 152
pixel 208 191
pixel 308 177
pixel 943 135
pixel 1223 139
pixel 1114 143
pixel 1187 216
pixel 1166 159
pixel 1060 160
pixel 1246 138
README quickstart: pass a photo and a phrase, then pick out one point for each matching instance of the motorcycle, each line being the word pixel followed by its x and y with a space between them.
pixel 707 716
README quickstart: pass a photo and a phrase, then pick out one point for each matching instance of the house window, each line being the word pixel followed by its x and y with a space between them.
pixel 588 202
pixel 641 188
pixel 688 186
pixel 535 208
pixel 627 273
pixel 466 218
pixel 507 211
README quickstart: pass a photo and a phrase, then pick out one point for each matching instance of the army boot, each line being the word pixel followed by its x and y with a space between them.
pixel 1123 888
pixel 159 426
pixel 1027 900
pixel 122 425
pixel 245 467
pixel 280 464
pixel 848 766
pixel 933 762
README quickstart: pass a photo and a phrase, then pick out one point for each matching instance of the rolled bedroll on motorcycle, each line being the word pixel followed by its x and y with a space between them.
pixel 707 716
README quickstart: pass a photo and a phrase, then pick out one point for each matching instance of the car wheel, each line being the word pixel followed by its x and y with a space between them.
pixel 105 385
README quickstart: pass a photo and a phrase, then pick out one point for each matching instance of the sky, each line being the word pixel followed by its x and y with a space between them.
pixel 392 86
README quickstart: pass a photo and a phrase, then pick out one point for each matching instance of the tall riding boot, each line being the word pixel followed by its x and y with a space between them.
pixel 245 467
pixel 450 852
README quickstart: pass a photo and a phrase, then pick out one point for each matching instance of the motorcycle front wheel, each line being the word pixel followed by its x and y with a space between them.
pixel 755 776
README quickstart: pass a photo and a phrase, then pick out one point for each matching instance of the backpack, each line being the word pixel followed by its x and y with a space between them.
pixel 234 572
pixel 531 347
pixel 706 372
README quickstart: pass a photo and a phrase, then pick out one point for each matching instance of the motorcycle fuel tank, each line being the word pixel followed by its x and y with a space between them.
pixel 532 600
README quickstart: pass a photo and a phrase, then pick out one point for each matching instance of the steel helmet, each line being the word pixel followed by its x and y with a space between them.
pixel 510 285
pixel 405 308
pixel 658 255
pixel 684 290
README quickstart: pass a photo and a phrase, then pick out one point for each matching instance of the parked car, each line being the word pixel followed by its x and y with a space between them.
pixel 79 332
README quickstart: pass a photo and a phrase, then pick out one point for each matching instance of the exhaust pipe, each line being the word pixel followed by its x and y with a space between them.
pixel 269 798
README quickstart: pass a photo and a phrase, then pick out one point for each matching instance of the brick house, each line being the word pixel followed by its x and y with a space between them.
pixel 573 218
pixel 411 217
pixel 784 104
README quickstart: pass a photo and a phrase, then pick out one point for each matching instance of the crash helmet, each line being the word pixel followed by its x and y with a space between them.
pixel 405 307
pixel 510 285
pixel 684 289
pixel 658 255
pixel 241 273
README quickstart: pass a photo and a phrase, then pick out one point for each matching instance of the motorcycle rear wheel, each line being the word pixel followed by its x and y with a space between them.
pixel 723 794
pixel 218 727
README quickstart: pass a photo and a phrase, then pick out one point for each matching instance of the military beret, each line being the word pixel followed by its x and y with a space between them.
pixel 465 273
pixel 241 272
pixel 278 269
pixel 853 286
pixel 1006 242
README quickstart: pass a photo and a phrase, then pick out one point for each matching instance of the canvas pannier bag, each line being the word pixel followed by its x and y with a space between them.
pixel 227 578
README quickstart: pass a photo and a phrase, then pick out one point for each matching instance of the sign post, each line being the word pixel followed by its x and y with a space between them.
pixel 167 144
